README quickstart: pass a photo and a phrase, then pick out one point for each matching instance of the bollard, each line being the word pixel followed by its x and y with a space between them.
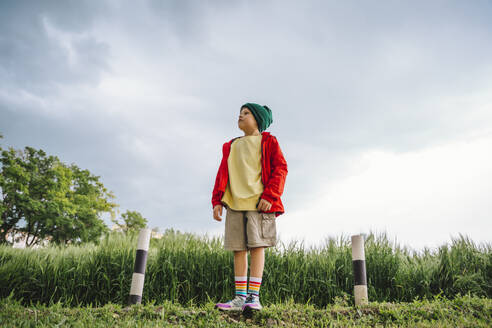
pixel 359 265
pixel 138 277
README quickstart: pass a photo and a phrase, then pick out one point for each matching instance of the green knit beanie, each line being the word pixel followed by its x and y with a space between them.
pixel 262 114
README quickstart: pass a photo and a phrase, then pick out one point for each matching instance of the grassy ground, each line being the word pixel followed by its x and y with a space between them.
pixel 462 311
pixel 184 267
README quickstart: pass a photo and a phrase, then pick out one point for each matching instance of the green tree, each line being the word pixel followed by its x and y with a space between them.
pixel 132 221
pixel 47 199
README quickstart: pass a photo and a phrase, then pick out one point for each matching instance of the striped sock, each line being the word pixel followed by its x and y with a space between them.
pixel 254 286
pixel 241 286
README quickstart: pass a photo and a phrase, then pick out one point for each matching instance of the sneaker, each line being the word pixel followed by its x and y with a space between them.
pixel 235 304
pixel 251 304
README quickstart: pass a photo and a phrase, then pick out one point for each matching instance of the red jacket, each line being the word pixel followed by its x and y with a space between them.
pixel 273 173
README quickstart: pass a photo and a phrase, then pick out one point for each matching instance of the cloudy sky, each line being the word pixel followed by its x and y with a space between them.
pixel 383 109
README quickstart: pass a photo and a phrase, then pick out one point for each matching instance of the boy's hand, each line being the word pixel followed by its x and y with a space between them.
pixel 217 211
pixel 264 206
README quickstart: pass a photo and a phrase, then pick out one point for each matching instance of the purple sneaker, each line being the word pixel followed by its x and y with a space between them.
pixel 251 304
pixel 235 304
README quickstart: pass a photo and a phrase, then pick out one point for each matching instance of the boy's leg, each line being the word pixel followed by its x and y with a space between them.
pixel 241 272
pixel 235 240
pixel 241 263
pixel 256 272
pixel 261 233
pixel 257 262
pixel 235 231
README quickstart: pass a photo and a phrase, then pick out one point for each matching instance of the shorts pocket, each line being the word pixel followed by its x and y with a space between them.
pixel 268 226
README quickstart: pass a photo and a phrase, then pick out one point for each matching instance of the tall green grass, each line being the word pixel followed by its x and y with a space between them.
pixel 191 269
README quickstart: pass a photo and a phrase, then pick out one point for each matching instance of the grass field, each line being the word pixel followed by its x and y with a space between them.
pixel 462 311
pixel 185 268
pixel 187 274
pixel 189 269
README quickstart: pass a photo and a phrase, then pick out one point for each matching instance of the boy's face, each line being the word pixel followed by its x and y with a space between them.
pixel 246 121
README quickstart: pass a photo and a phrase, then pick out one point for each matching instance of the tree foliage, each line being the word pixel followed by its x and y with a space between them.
pixel 44 198
pixel 132 221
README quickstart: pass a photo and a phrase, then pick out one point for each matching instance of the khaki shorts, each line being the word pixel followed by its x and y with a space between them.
pixel 249 229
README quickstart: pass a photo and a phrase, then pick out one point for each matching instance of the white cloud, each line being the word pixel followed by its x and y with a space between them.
pixel 423 198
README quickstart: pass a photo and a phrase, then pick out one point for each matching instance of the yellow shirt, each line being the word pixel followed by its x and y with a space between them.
pixel 244 186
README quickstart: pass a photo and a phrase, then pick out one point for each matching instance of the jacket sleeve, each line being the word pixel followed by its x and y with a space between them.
pixel 216 194
pixel 275 185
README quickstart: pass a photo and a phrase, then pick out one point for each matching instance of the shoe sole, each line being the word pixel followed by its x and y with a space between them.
pixel 248 311
pixel 228 309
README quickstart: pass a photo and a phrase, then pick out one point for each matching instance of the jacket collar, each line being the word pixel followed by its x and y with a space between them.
pixel 264 134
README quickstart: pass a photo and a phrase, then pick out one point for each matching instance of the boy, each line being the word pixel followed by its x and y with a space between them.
pixel 249 183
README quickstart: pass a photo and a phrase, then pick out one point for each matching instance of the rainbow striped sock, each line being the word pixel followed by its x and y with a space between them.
pixel 241 285
pixel 254 286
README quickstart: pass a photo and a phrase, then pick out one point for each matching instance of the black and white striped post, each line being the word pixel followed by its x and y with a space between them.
pixel 138 277
pixel 359 265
